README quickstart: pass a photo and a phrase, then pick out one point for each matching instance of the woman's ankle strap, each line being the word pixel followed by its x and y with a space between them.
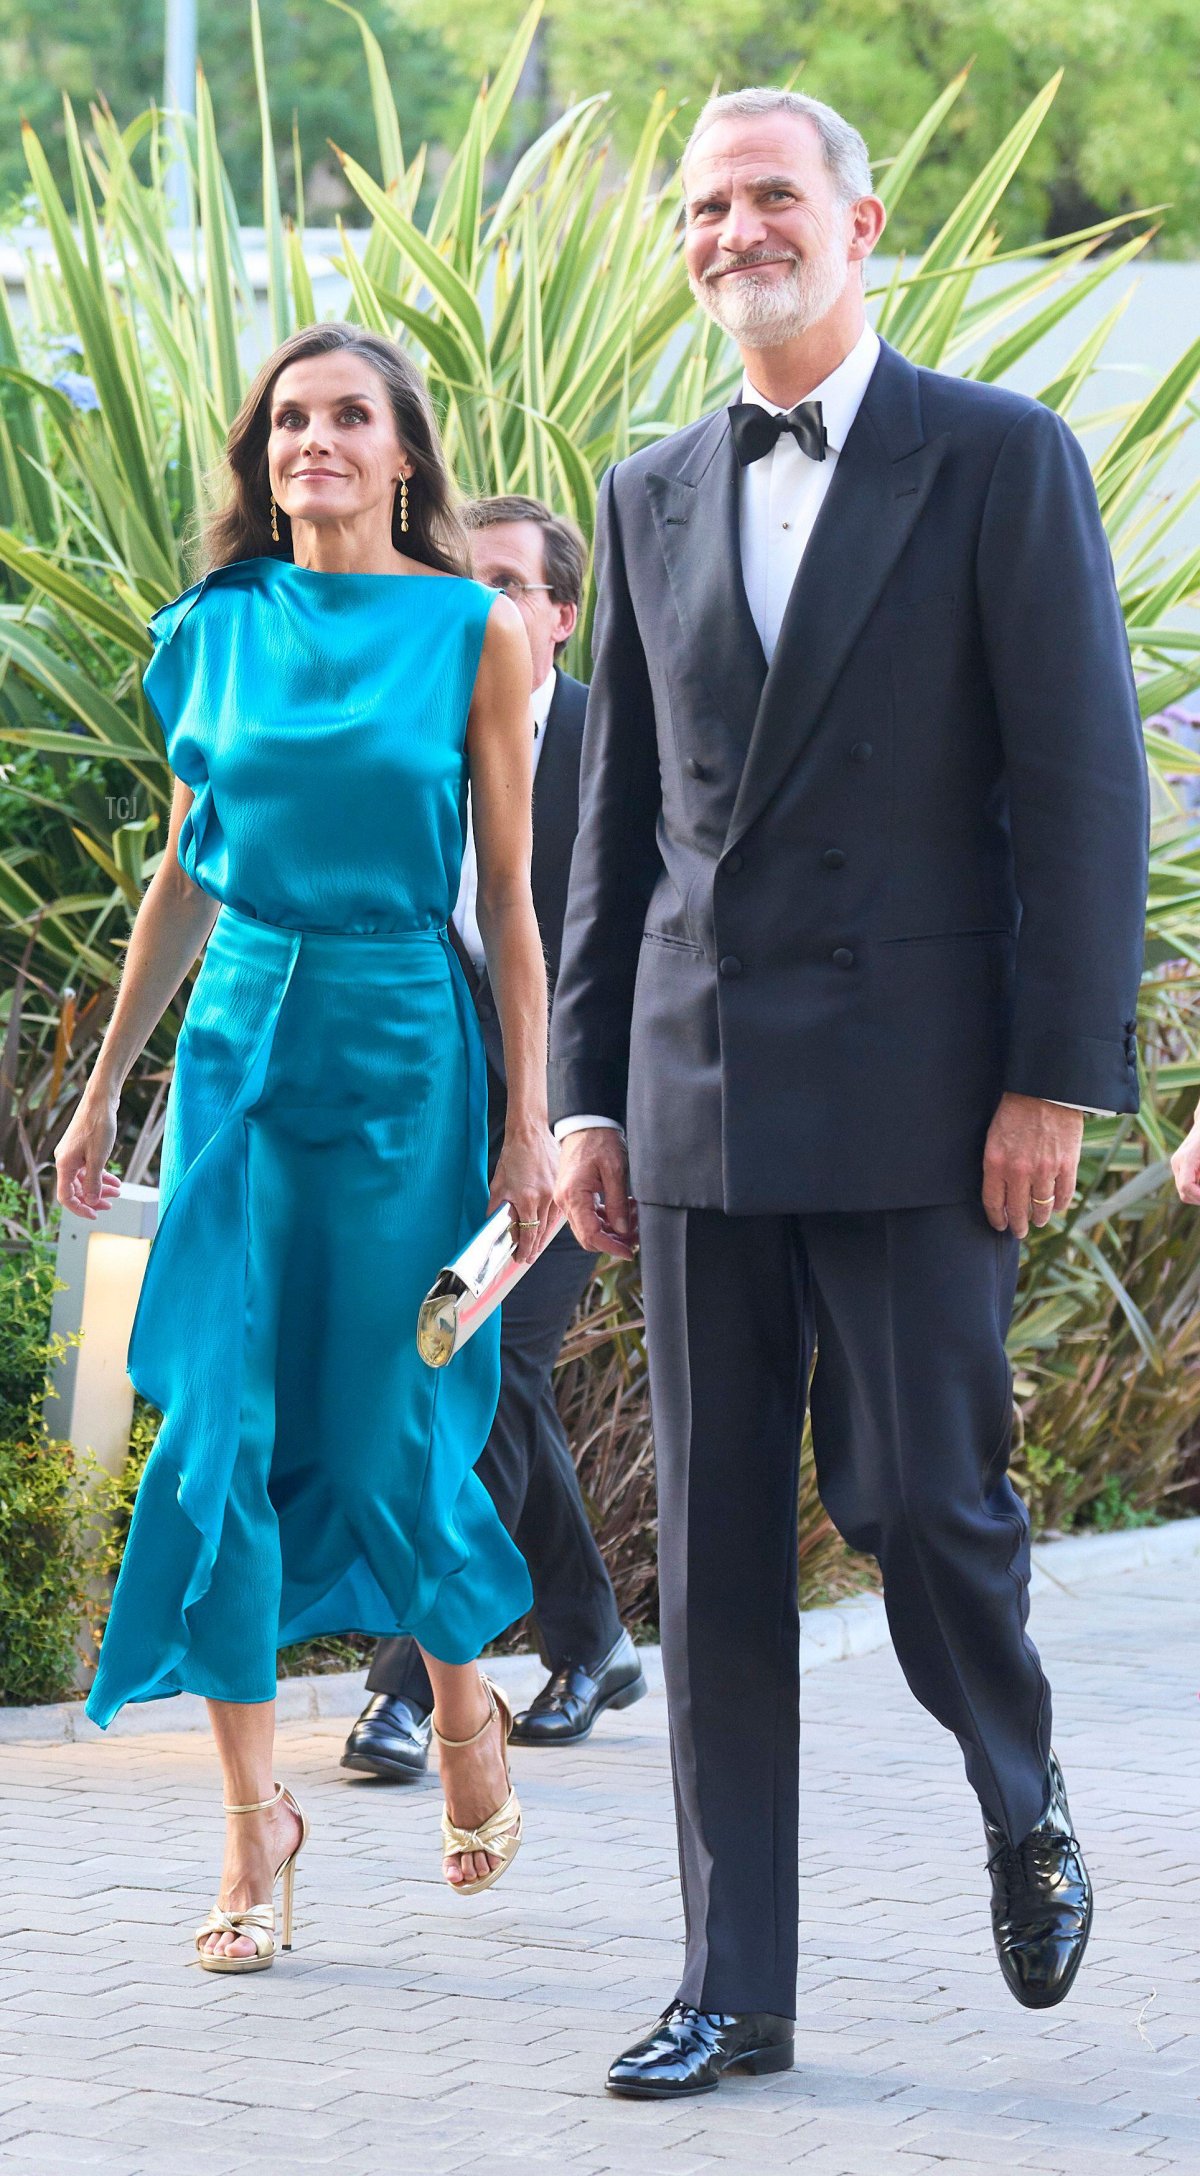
pixel 489 1718
pixel 260 1805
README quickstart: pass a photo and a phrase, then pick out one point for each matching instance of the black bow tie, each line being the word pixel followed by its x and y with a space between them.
pixel 756 429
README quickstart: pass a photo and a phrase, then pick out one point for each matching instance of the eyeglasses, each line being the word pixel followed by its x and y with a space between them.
pixel 513 588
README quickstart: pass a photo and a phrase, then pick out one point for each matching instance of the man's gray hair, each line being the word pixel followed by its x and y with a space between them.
pixel 845 153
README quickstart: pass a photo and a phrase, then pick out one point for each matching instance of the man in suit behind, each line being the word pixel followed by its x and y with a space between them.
pixel 854 930
pixel 539 558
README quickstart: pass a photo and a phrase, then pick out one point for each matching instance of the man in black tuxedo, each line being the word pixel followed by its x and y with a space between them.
pixel 519 545
pixel 854 933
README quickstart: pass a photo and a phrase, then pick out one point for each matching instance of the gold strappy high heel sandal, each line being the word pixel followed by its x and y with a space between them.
pixel 258 1921
pixel 500 1834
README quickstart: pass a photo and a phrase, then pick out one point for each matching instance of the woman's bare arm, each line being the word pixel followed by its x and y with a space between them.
pixel 500 753
pixel 169 929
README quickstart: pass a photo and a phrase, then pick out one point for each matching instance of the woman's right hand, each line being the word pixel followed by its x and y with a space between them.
pixel 1185 1164
pixel 84 1186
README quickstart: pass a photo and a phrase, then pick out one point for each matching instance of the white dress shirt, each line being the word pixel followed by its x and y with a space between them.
pixel 464 917
pixel 779 498
pixel 781 495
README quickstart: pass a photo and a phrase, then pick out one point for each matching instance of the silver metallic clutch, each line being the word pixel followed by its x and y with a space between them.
pixel 469 1288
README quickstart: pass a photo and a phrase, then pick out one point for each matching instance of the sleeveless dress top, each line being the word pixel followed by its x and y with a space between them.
pixel 324 1149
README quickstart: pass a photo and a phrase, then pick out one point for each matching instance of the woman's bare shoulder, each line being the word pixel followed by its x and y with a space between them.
pixel 504 635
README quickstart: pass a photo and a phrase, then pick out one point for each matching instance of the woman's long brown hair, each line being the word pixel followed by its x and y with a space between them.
pixel 240 526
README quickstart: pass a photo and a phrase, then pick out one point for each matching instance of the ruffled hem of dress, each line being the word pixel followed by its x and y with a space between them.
pixel 186 1368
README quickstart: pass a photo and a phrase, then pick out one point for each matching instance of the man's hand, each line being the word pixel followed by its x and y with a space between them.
pixel 1029 1162
pixel 593 1190
pixel 1185 1166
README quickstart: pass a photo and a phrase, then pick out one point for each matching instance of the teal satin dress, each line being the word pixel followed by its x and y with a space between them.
pixel 324 1150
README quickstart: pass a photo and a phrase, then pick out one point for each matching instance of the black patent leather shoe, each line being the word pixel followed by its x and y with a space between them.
pixel 390 1739
pixel 1041 1903
pixel 689 2051
pixel 567 1705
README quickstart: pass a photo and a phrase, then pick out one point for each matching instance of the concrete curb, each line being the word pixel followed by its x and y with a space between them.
pixel 856 1627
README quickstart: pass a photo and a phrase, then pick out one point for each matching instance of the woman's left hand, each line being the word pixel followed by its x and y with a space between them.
pixel 526 1175
pixel 1185 1166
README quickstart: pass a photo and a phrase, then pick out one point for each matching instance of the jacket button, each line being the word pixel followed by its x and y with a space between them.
pixel 694 768
pixel 733 863
pixel 486 1011
pixel 843 957
pixel 731 965
pixel 861 752
pixel 833 858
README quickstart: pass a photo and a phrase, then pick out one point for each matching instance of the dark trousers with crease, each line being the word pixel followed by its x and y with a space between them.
pixel 527 1469
pixel 911 1420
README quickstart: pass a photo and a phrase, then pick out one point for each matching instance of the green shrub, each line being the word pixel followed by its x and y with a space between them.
pixel 44 1505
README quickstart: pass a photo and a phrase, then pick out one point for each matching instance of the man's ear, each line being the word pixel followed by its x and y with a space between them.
pixel 870 219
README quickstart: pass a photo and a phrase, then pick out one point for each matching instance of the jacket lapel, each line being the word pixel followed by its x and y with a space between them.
pixel 879 486
pixel 555 809
pixel 695 512
pixel 550 779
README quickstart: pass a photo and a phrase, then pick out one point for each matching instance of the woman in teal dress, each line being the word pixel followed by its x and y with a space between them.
pixel 324 692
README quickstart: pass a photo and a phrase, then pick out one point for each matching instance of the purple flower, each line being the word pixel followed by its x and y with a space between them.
pixel 79 390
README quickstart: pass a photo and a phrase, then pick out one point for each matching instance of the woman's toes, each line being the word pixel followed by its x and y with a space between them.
pixel 228 1945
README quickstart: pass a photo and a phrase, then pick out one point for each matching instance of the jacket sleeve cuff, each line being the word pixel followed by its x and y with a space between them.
pixel 597 1089
pixel 1093 1074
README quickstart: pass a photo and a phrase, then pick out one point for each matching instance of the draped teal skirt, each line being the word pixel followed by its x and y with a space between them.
pixel 324 1155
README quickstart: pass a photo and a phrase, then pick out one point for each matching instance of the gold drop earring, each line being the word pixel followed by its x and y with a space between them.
pixel 274 521
pixel 404 502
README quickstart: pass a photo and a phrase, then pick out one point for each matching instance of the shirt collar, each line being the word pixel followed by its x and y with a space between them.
pixel 840 394
pixel 541 700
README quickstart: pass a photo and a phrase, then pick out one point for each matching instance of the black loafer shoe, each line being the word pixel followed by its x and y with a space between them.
pixel 689 2051
pixel 1041 1903
pixel 390 1739
pixel 567 1706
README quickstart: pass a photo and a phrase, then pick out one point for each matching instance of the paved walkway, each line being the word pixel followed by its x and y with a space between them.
pixel 412 2030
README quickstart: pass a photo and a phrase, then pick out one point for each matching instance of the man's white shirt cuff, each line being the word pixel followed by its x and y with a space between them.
pixel 564 1126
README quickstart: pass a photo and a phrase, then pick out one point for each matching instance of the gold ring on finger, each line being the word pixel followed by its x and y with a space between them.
pixel 1042 1201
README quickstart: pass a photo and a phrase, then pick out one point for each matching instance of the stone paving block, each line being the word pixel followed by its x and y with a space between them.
pixel 36 2147
pixel 1065 2159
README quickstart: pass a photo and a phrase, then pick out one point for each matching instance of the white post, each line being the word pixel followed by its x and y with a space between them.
pixel 90 1397
pixel 179 96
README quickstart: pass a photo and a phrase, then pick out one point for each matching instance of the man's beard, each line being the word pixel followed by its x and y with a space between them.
pixel 765 310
